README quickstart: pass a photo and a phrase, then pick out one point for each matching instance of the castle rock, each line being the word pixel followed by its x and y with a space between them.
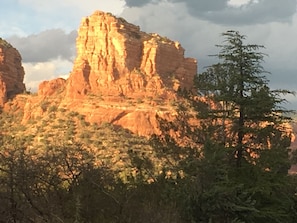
pixel 121 75
pixel 115 58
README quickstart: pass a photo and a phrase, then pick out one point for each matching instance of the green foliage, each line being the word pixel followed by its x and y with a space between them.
pixel 64 183
pixel 242 100
pixel 241 120
pixel 52 108
pixel 64 169
pixel 44 105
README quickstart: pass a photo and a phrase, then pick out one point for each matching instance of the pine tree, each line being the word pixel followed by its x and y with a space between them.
pixel 247 111
pixel 247 118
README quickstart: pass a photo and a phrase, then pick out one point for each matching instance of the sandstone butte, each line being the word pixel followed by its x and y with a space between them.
pixel 118 64
pixel 121 75
pixel 11 72
pixel 115 58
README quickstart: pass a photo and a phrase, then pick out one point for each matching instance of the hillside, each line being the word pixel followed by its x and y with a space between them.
pixel 121 75
pixel 136 135
pixel 121 80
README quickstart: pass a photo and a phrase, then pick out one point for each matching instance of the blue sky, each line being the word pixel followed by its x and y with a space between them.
pixel 44 31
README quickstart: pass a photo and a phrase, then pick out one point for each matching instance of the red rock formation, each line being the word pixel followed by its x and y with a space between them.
pixel 49 88
pixel 116 61
pixel 11 72
pixel 115 58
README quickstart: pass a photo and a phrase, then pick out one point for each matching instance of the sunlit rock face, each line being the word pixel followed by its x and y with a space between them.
pixel 115 58
pixel 121 75
pixel 11 72
pixel 52 87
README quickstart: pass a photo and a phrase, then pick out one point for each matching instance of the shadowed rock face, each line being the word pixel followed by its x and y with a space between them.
pixel 115 58
pixel 11 72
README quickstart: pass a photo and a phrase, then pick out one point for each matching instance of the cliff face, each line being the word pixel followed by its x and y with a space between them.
pixel 11 72
pixel 115 58
pixel 121 75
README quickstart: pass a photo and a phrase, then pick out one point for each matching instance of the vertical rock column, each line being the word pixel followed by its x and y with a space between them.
pixel 11 72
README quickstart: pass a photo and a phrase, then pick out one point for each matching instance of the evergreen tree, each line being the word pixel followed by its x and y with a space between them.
pixel 245 118
pixel 247 112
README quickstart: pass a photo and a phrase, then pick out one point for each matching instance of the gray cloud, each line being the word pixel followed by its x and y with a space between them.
pixel 219 12
pixel 264 11
pixel 45 46
pixel 196 7
pixel 137 3
pixel 198 36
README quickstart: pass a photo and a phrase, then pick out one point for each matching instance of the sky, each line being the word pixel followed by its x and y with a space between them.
pixel 44 32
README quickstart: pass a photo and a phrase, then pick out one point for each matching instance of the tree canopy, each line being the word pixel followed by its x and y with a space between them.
pixel 249 111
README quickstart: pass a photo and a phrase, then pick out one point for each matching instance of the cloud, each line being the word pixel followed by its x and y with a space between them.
pixel 199 6
pixel 260 12
pixel 45 46
pixel 204 5
pixel 138 3
pixel 77 8
pixel 222 12
pixel 35 73
pixel 197 24
pixel 24 17
pixel 199 36
pixel 48 53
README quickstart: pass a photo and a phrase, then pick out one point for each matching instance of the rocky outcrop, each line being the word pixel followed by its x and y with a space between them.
pixel 121 75
pixel 52 87
pixel 115 58
pixel 11 72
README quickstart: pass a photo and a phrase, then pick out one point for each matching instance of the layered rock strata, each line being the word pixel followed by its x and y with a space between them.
pixel 115 58
pixel 122 75
pixel 11 72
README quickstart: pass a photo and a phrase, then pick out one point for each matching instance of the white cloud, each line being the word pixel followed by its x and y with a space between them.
pixel 238 3
pixel 241 3
pixel 24 17
pixel 85 6
pixel 35 73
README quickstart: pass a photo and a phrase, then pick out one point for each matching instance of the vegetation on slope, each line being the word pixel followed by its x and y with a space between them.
pixel 232 166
